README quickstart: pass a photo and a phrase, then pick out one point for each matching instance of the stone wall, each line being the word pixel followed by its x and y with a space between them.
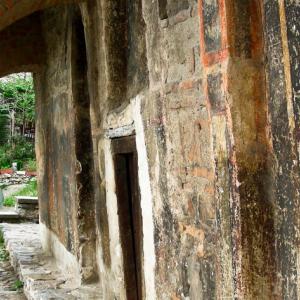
pixel 56 131
pixel 209 88
pixel 178 139
pixel 283 107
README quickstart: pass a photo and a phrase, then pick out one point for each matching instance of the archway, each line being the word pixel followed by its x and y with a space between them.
pixel 12 11
pixel 34 41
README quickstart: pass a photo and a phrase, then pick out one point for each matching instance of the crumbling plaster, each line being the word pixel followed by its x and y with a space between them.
pixel 213 106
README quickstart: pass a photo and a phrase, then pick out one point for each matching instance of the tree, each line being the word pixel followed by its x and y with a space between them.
pixel 4 128
pixel 17 99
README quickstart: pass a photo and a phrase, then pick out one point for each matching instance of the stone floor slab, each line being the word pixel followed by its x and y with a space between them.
pixel 42 279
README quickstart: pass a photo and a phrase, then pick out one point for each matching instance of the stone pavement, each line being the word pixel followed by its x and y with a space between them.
pixel 8 281
pixel 42 279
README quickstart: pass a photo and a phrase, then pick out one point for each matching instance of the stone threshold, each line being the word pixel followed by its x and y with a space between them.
pixel 11 216
pixel 41 277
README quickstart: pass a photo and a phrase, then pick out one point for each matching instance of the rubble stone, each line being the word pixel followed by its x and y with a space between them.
pixel 14 178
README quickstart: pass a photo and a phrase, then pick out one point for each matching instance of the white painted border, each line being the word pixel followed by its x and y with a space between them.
pixel 130 117
pixel 146 201
pixel 64 259
pixel 116 278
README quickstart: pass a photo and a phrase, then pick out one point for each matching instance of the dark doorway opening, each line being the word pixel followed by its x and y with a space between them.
pixel 129 212
pixel 84 150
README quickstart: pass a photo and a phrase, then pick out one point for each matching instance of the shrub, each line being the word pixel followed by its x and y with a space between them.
pixel 4 127
pixel 30 165
pixel 19 150
pixel 5 157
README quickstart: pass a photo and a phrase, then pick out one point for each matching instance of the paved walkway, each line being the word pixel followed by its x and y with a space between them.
pixel 42 279
pixel 9 282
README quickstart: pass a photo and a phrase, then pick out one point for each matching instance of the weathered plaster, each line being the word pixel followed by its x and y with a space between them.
pixel 210 90
pixel 146 201
pixel 13 10
pixel 64 260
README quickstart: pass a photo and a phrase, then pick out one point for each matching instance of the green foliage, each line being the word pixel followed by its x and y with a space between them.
pixel 20 151
pixel 4 127
pixel 18 285
pixel 17 110
pixel 9 202
pixel 30 165
pixel 17 94
pixel 29 190
pixel 5 156
pixel 4 255
pixel 1 238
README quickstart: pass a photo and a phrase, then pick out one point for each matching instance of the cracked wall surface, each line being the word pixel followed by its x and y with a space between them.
pixel 210 90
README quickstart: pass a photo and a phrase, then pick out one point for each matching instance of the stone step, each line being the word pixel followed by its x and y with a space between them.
pixel 27 200
pixel 43 280
pixel 10 217
pixel 27 207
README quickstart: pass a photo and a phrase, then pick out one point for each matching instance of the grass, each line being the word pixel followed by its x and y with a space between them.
pixel 18 285
pixel 9 202
pixel 29 190
pixel 3 253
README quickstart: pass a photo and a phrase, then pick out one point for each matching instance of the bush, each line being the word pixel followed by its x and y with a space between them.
pixel 4 127
pixel 30 165
pixel 22 149
pixel 19 150
pixel 5 157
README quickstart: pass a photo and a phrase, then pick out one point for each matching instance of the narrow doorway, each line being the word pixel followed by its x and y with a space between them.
pixel 129 213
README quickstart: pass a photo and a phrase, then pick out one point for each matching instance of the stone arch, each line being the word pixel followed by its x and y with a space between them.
pixel 22 46
pixel 12 11
pixel 64 149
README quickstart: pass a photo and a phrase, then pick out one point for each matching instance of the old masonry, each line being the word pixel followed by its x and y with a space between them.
pixel 168 142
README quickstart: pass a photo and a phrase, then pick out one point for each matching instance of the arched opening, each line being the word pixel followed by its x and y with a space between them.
pixel 52 44
pixel 23 46
pixel 13 11
pixel 18 185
